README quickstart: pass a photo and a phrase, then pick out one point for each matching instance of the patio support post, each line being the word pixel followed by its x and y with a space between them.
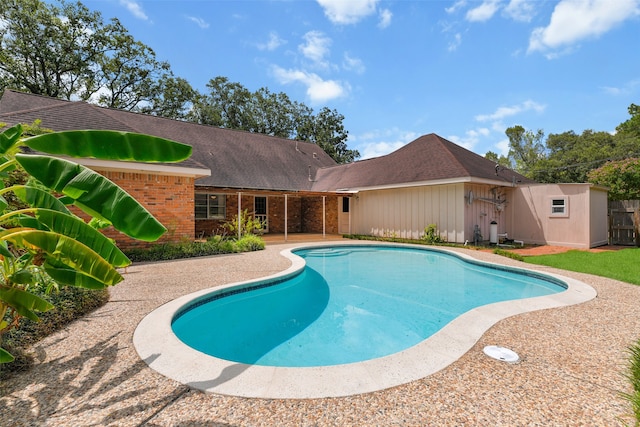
pixel 239 213
pixel 324 199
pixel 285 218
pixel 350 209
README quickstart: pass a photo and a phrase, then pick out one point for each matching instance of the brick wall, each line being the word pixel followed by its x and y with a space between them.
pixel 168 198
pixel 312 214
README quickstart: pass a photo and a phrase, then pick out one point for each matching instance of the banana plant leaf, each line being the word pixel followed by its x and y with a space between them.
pixel 9 138
pixel 5 356
pixel 75 228
pixel 25 303
pixel 62 249
pixel 38 198
pixel 71 277
pixel 4 251
pixel 94 194
pixel 110 145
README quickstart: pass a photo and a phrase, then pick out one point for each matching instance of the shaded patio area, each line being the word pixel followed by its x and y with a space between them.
pixel 571 369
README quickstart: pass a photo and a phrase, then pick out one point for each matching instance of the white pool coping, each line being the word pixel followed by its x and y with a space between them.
pixel 158 346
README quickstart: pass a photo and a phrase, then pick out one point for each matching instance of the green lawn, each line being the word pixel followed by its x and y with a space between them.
pixel 621 265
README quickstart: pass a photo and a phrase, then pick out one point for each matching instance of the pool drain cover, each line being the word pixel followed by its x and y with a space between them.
pixel 501 353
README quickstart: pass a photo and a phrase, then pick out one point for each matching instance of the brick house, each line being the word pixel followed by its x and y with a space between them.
pixel 295 187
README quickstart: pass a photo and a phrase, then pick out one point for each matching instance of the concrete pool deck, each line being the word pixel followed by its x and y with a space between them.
pixel 571 370
pixel 165 353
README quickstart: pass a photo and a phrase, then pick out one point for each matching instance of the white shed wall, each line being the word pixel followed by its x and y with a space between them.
pixel 405 212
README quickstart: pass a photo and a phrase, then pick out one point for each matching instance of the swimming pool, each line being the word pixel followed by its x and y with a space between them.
pixel 161 349
pixel 350 304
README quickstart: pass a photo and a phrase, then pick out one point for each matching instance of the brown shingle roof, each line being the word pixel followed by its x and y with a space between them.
pixel 245 160
pixel 428 158
pixel 236 159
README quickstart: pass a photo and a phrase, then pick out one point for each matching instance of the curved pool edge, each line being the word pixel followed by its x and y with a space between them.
pixel 157 345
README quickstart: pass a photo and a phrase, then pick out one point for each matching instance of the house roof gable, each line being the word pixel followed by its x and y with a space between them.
pixel 428 158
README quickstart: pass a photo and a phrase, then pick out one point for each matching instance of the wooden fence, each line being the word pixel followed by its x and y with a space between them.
pixel 624 222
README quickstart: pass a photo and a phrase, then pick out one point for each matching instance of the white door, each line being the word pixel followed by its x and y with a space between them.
pixel 344 216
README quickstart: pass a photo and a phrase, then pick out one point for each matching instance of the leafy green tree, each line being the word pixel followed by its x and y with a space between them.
pixel 570 156
pixel 173 99
pixel 48 49
pixel 622 177
pixel 44 243
pixel 326 130
pixel 526 149
pixel 129 74
pixel 232 106
pixel 227 105
pixel 66 51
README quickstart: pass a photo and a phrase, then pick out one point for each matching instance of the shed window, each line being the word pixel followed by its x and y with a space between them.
pixel 210 206
pixel 560 206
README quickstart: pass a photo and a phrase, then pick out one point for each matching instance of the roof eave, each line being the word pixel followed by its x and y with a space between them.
pixel 133 167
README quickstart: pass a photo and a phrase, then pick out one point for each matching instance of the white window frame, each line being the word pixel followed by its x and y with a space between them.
pixel 559 206
pixel 209 197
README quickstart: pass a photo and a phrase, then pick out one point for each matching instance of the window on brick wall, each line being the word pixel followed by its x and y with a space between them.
pixel 210 206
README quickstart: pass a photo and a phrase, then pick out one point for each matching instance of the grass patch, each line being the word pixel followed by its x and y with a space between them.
pixel 508 254
pixel 621 265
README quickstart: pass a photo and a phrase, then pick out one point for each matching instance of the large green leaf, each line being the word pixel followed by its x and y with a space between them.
pixel 5 356
pixel 4 251
pixel 25 303
pixel 38 198
pixel 65 250
pixel 74 228
pixel 110 145
pixel 71 277
pixel 9 138
pixel 94 194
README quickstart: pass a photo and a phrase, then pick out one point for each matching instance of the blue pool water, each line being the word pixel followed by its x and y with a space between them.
pixel 349 304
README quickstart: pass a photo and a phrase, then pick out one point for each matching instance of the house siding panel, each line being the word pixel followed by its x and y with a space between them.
pixel 407 212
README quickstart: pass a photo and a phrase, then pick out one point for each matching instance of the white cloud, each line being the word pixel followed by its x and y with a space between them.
pixel 575 20
pixel 135 8
pixel 382 142
pixel 273 43
pixel 627 89
pixel 318 90
pixel 484 12
pixel 471 138
pixel 347 12
pixel 503 112
pixel 353 64
pixel 455 43
pixel 502 147
pixel 520 10
pixel 456 6
pixel 316 47
pixel 199 21
pixel 385 18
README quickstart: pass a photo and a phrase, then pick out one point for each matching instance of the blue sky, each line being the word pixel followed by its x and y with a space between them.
pixel 465 70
